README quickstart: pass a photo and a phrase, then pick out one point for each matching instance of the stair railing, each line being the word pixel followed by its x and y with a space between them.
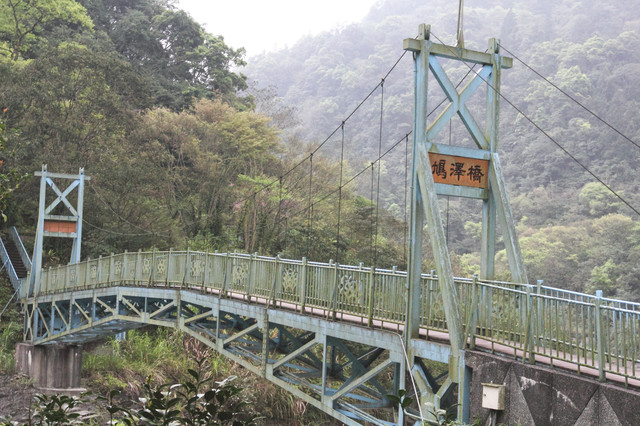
pixel 24 256
pixel 6 262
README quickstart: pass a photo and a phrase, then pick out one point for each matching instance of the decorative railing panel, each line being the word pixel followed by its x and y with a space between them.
pixel 389 295
pixel 432 306
pixel 320 283
pixel 264 277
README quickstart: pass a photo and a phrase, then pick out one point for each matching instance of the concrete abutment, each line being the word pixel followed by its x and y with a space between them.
pixel 538 395
pixel 50 366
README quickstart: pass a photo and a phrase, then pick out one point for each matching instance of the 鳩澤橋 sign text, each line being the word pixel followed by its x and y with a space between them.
pixel 461 171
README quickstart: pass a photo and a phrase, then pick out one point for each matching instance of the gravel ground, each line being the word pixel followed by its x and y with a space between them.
pixel 17 394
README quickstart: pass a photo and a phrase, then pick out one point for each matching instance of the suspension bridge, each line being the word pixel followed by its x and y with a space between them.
pixel 347 339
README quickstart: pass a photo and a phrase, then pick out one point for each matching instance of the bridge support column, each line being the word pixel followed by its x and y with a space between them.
pixel 50 366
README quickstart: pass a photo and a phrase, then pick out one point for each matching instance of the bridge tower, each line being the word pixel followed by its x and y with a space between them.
pixel 67 225
pixel 52 366
pixel 440 169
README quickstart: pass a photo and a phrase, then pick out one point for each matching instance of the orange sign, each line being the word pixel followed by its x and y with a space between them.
pixel 461 171
pixel 62 226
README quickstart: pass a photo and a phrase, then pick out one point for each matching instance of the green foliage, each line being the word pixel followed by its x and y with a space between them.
pixel 197 400
pixel 401 399
pixel 114 370
pixel 193 402
pixel 10 326
pixel 182 62
pixel 598 200
pixel 23 24
pixel 440 417
pixel 152 106
pixel 9 178
pixel 157 353
pixel 10 334
pixel 58 410
pixel 588 255
pixel 550 193
pixel 603 278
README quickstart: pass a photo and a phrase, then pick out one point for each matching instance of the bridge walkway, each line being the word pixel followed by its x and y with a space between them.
pixel 292 321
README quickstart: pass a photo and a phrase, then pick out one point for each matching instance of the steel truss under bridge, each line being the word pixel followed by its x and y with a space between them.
pixel 329 333
pixel 342 368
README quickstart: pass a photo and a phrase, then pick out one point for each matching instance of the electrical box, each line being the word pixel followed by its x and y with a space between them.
pixel 493 396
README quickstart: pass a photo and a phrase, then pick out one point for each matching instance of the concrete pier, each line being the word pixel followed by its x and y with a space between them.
pixel 50 366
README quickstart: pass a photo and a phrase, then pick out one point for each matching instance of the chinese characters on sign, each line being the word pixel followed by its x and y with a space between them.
pixel 461 171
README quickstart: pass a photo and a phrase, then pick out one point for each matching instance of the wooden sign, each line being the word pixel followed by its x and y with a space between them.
pixel 461 171
pixel 61 226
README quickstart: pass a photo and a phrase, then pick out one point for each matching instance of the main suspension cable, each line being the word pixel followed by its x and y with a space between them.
pixel 317 148
pixel 602 120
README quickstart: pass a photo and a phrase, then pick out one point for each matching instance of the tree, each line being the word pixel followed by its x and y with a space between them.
pixel 598 200
pixel 22 23
pixel 603 278
pixel 199 157
pixel 9 178
pixel 556 254
pixel 70 105
pixel 181 61
pixel 74 108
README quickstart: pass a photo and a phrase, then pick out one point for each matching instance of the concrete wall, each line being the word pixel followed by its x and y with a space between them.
pixel 50 366
pixel 537 395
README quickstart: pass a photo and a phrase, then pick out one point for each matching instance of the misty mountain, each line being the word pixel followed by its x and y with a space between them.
pixel 588 49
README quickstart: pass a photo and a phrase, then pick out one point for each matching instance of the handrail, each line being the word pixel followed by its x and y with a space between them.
pixel 6 262
pixel 590 332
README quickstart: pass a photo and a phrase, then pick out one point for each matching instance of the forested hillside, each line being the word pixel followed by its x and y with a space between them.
pixel 155 109
pixel 184 151
pixel 573 231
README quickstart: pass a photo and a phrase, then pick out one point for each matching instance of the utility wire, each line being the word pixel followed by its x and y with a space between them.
pixel 354 177
pixel 406 174
pixel 453 51
pixel 311 204
pixel 405 138
pixel 291 170
pixel 373 169
pixel 340 195
pixel 606 123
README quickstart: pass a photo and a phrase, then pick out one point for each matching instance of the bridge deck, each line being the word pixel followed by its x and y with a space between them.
pixel 291 321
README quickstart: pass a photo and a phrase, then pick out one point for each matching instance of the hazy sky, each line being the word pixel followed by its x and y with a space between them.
pixel 260 25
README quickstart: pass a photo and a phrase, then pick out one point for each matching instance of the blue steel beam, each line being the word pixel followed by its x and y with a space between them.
pixel 285 347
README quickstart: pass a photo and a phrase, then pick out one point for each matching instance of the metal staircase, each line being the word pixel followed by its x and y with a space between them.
pixel 14 257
